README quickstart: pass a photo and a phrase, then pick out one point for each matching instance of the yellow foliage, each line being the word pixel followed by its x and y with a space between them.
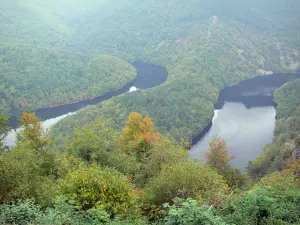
pixel 93 186
pixel 218 156
pixel 33 132
pixel 138 134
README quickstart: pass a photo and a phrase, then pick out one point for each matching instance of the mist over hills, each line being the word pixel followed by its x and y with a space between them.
pixel 125 160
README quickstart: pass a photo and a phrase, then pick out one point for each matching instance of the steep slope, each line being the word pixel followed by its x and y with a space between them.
pixel 34 77
pixel 42 22
pixel 31 22
pixel 284 150
pixel 204 45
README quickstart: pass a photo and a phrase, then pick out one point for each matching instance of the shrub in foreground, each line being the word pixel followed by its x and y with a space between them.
pixel 186 180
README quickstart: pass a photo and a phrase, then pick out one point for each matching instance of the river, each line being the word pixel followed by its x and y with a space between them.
pixel 148 76
pixel 245 117
pixel 244 113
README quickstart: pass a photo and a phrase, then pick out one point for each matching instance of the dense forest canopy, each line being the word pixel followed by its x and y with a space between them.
pixel 137 177
pixel 34 77
pixel 285 150
pixel 124 161
pixel 205 45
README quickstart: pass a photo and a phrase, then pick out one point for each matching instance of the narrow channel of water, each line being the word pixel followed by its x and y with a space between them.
pixel 148 76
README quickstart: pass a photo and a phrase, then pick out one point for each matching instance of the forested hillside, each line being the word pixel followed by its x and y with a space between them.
pixel 284 152
pixel 135 178
pixel 204 45
pixel 124 161
pixel 32 22
pixel 34 77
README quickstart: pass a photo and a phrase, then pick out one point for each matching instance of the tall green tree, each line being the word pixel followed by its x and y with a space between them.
pixel 26 174
pixel 162 153
pixel 93 141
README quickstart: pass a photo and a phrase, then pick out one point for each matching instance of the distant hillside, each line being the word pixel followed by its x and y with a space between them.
pixel 124 161
pixel 31 22
pixel 283 151
pixel 35 77
pixel 205 46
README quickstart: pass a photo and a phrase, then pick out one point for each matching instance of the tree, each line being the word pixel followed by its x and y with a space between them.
pixel 93 141
pixel 33 133
pixel 218 156
pixel 186 180
pixel 25 175
pixel 162 153
pixel 138 135
pixel 3 132
pixel 132 131
pixel 235 178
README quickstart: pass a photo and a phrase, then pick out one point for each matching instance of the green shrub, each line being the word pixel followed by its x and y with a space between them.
pixel 163 152
pixel 20 213
pixel 188 212
pixel 23 176
pixel 27 212
pixel 95 187
pixel 264 205
pixel 186 180
pixel 64 212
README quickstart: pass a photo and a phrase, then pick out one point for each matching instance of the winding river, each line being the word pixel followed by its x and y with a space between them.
pixel 245 117
pixel 244 114
pixel 148 76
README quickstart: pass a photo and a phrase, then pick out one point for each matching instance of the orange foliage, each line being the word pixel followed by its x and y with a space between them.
pixel 139 132
pixel 292 168
pixel 29 118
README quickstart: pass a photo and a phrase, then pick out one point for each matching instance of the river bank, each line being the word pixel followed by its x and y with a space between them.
pixel 245 117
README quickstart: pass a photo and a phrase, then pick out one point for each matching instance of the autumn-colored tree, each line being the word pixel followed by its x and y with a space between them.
pixel 292 168
pixel 147 129
pixel 218 156
pixel 33 132
pixel 132 130
pixel 139 134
